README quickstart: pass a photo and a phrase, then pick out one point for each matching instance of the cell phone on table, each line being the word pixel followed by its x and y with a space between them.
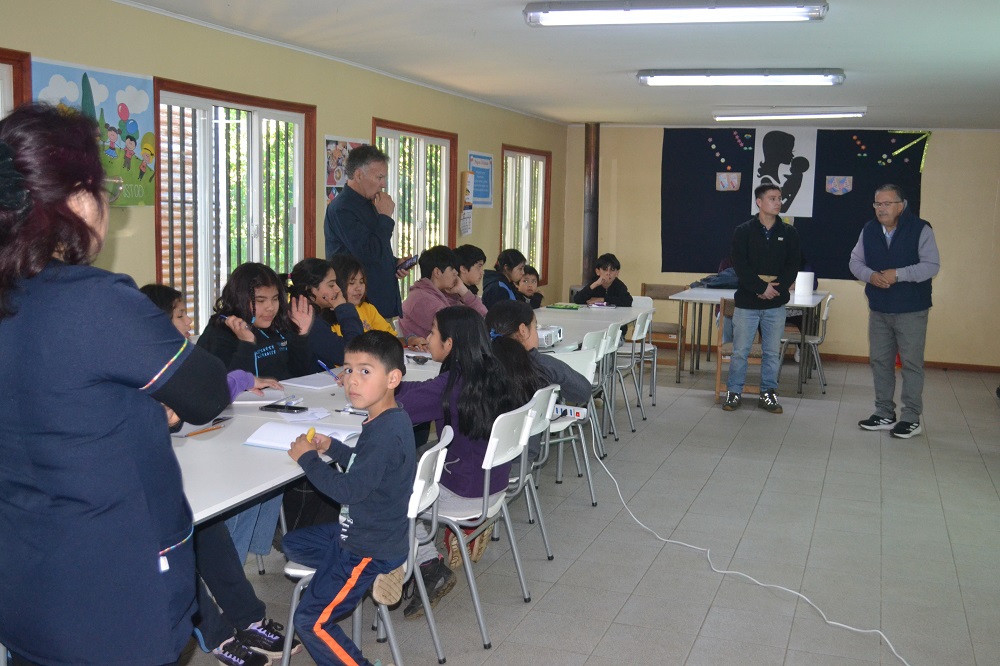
pixel 280 406
pixel 409 263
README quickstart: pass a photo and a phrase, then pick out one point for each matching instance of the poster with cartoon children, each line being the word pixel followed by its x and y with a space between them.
pixel 122 105
pixel 337 150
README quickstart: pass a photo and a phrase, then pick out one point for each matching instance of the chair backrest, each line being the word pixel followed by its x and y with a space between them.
pixel 508 437
pixel 426 486
pixel 661 292
pixel 612 338
pixel 641 328
pixel 825 317
pixel 542 403
pixel 642 302
pixel 593 340
pixel 727 307
pixel 583 361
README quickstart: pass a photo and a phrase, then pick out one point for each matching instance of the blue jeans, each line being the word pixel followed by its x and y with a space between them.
pixel 745 323
pixel 253 528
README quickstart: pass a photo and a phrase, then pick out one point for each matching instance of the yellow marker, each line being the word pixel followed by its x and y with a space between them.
pixel 309 435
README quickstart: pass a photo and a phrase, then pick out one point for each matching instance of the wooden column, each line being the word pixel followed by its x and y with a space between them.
pixel 591 197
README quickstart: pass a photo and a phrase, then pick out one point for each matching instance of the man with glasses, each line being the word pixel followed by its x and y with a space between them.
pixel 896 255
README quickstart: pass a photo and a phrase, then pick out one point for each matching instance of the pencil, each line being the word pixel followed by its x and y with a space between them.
pixel 204 430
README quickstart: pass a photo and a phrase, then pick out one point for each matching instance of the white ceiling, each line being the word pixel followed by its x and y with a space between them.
pixel 917 64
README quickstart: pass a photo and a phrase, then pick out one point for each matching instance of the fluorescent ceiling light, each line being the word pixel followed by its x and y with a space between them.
pixel 791 113
pixel 740 77
pixel 634 12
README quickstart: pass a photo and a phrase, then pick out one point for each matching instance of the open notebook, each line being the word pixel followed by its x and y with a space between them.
pixel 274 435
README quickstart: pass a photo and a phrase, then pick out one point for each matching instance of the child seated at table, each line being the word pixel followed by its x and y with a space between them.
pixel 607 288
pixel 471 260
pixel 438 287
pixel 240 633
pixel 352 281
pixel 528 287
pixel 316 280
pixel 376 485
pixel 473 388
pixel 499 283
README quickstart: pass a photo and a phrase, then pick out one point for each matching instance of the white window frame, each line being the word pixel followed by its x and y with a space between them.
pixel 521 214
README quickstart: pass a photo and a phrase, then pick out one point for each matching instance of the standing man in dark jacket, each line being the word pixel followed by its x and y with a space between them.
pixel 359 222
pixel 766 258
pixel 897 257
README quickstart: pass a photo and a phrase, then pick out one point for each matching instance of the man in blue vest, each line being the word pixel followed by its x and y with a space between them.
pixel 896 256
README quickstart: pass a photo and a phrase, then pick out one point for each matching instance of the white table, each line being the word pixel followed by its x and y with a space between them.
pixel 702 296
pixel 577 323
pixel 220 472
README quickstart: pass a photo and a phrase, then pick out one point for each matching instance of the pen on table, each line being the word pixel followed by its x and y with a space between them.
pixel 325 367
pixel 204 430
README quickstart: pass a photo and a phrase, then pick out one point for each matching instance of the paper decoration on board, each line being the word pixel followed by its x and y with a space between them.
pixel 337 150
pixel 787 158
pixel 481 164
pixel 740 141
pixel 122 105
pixel 727 182
pixel 839 185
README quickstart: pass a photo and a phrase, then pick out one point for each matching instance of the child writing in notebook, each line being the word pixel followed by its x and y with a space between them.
pixel 351 278
pixel 240 633
pixel 316 281
pixel 377 483
pixel 474 387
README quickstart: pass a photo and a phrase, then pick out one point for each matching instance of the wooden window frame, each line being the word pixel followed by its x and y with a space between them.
pixel 547 156
pixel 20 62
pixel 309 164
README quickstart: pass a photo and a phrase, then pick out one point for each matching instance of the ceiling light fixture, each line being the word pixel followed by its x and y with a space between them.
pixel 790 113
pixel 740 77
pixel 637 12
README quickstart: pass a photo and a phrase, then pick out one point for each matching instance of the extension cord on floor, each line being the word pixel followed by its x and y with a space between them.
pixel 708 556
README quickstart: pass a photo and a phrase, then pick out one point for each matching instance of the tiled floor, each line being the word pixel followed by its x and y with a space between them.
pixel 897 535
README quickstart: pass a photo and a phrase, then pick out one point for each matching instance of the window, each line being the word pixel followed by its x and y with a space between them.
pixel 527 178
pixel 236 185
pixel 15 79
pixel 422 178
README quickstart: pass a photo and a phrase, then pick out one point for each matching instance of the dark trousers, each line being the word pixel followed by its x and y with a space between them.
pixel 221 572
pixel 337 587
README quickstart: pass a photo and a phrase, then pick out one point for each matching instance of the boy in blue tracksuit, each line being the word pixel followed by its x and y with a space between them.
pixel 376 486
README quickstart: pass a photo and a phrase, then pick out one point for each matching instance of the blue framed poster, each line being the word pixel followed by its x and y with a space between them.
pixel 481 165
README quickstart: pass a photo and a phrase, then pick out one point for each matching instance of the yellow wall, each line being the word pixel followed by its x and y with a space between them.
pixel 960 189
pixel 346 99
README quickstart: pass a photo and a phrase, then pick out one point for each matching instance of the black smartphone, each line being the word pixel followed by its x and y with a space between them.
pixel 282 407
pixel 409 263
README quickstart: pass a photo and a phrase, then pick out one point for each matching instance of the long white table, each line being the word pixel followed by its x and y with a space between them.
pixel 701 296
pixel 220 472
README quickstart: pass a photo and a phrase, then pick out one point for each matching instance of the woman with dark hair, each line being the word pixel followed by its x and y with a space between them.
pixel 97 565
pixel 315 280
pixel 256 329
pixel 500 284
pixel 474 387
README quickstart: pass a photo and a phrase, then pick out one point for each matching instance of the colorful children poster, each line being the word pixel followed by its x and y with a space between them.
pixel 337 150
pixel 481 164
pixel 122 105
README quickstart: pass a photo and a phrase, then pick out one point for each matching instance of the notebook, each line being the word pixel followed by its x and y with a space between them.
pixel 274 435
pixel 316 382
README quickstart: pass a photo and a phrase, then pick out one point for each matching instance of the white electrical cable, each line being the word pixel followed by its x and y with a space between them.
pixel 708 556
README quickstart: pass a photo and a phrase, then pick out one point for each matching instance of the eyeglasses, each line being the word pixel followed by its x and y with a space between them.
pixel 878 205
pixel 114 187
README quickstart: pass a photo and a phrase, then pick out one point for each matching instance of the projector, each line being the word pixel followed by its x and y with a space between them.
pixel 549 335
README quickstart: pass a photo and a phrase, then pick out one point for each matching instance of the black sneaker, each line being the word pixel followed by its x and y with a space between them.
pixel 438 579
pixel 876 422
pixel 769 400
pixel 235 653
pixel 266 637
pixel 906 429
pixel 732 402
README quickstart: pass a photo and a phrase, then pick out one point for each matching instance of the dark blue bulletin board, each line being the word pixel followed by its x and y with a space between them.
pixel 697 219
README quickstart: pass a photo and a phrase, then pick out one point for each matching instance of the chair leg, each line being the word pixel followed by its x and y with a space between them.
pixel 586 463
pixel 428 613
pixel 531 509
pixel 260 564
pixel 516 554
pixel 532 494
pixel 559 463
pixel 628 408
pixel 286 653
pixel 819 366
pixel 383 614
pixel 471 579
pixel 652 384
pixel 638 390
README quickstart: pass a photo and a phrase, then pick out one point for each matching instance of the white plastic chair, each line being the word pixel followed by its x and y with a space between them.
pixel 627 359
pixel 508 440
pixel 584 362
pixel 423 501
pixel 812 343
pixel 542 403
